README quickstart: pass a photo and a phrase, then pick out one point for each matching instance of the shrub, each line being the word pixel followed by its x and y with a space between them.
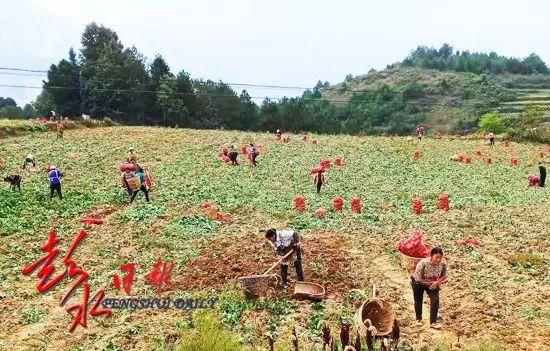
pixel 491 122
pixel 207 334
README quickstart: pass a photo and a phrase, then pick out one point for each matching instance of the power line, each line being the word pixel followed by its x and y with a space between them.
pixel 22 70
pixel 252 85
pixel 21 74
pixel 209 94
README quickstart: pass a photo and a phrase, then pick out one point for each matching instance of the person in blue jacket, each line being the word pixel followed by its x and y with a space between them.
pixel 54 177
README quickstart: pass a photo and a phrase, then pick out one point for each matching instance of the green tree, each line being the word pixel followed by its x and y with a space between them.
pixel 7 102
pixel 43 103
pixel 158 70
pixel 491 122
pixel 112 77
pixel 534 64
pixel 64 86
pixel 172 106
pixel 29 111
pixel 248 115
pixel 11 112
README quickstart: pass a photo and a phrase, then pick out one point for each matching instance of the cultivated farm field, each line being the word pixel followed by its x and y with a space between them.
pixel 496 297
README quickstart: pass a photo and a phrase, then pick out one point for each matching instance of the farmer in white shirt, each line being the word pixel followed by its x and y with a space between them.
pixel 284 241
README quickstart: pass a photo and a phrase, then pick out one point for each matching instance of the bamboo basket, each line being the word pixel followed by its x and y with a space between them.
pixel 134 183
pixel 311 291
pixel 409 263
pixel 379 313
pixel 254 286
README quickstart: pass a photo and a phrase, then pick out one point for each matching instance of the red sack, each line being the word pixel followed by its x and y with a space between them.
pixel 468 159
pixel 416 154
pixel 244 150
pixel 206 205
pixel 478 153
pixel 338 161
pixel 488 160
pixel 506 143
pixel 225 152
pixel 541 154
pixel 304 137
pixel 320 212
pixel 443 202
pixel 314 142
pixel 413 246
pixel 226 159
pixel 417 205
pixel 324 163
pixel 299 204
pixel 148 179
pixel 127 167
pixel 318 169
pixel 355 205
pixel 533 180
pixel 513 161
pixel 338 203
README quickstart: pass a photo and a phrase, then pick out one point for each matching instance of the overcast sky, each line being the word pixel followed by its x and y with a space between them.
pixel 284 42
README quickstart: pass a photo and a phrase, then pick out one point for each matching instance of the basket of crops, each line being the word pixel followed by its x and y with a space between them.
pixel 134 183
pixel 412 251
pixel 409 263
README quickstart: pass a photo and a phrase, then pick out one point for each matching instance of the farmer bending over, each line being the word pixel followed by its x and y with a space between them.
pixel 54 177
pixel 30 159
pixel 284 241
pixel 429 274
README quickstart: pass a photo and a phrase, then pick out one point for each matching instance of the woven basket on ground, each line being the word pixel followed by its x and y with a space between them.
pixel 310 291
pixel 375 312
pixel 257 285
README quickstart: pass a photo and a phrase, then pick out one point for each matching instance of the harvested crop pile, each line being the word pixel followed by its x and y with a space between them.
pixel 300 203
pixel 337 203
pixel 325 261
